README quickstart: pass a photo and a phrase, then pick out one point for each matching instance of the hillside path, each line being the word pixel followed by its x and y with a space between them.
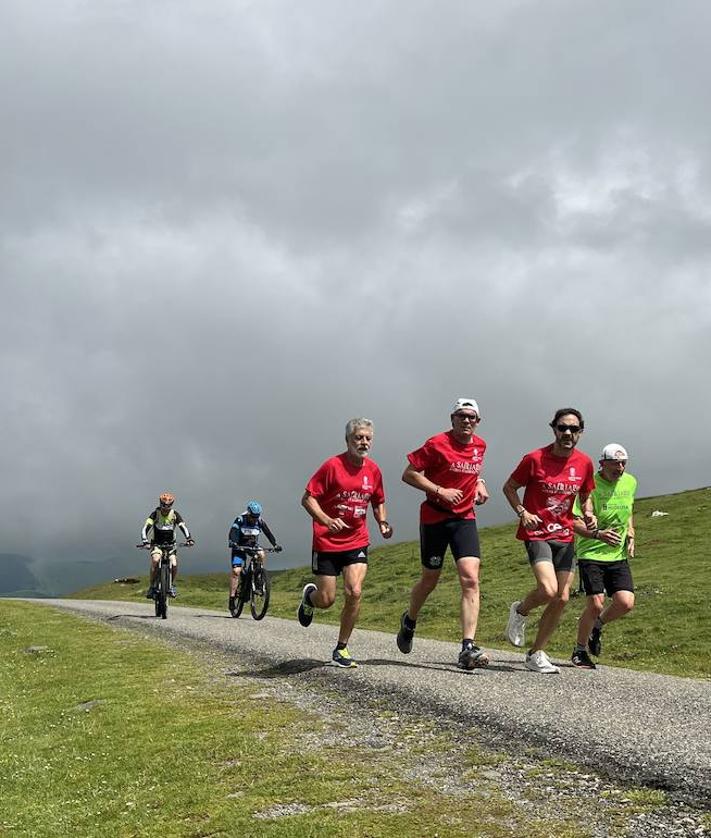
pixel 639 727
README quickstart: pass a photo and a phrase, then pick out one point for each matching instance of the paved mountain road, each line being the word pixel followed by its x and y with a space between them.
pixel 640 727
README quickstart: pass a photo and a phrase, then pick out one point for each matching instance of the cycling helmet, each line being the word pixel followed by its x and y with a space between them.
pixel 166 499
pixel 254 508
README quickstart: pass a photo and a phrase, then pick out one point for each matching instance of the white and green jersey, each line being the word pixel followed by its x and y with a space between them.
pixel 613 504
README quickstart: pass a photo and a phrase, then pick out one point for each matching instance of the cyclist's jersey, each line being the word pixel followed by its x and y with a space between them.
pixel 245 532
pixel 345 491
pixel 613 506
pixel 164 526
pixel 452 465
pixel 552 484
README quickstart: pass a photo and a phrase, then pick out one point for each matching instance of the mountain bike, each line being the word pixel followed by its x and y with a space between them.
pixel 254 586
pixel 164 580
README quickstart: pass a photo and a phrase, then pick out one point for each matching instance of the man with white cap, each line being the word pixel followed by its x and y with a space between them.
pixel 603 552
pixel 447 468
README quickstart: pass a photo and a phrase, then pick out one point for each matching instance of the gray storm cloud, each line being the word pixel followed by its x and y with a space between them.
pixel 227 230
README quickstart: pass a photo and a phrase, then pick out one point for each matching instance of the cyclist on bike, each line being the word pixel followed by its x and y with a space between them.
pixel 163 521
pixel 245 532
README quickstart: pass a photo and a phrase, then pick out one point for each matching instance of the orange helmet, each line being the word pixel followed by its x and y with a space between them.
pixel 166 499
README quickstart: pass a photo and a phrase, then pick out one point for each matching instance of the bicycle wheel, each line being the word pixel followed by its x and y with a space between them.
pixel 163 592
pixel 239 599
pixel 261 590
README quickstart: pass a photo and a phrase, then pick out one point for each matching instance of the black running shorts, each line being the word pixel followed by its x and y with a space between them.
pixel 331 564
pixel 560 553
pixel 605 577
pixel 459 534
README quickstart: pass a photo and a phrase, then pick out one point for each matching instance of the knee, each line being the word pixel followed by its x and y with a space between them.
pixel 547 592
pixel 625 601
pixel 470 584
pixel 236 571
pixel 595 605
pixel 352 592
pixel 561 598
pixel 326 598
pixel 428 582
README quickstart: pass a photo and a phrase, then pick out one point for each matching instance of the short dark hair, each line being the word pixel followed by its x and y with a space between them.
pixel 564 411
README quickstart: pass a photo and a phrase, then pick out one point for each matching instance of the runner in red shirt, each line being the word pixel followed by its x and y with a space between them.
pixel 337 498
pixel 552 476
pixel 447 468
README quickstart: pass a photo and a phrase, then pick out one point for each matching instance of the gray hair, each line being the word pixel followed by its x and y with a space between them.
pixel 359 422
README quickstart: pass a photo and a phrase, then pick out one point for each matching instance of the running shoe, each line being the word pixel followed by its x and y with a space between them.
pixel 540 662
pixel 342 658
pixel 473 658
pixel 305 612
pixel 595 641
pixel 404 636
pixel 151 592
pixel 516 626
pixel 582 660
pixel 172 591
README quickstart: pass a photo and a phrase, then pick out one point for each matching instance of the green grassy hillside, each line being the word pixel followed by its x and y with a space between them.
pixel 669 631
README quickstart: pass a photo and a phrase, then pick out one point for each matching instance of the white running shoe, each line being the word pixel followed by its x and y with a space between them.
pixel 516 626
pixel 540 662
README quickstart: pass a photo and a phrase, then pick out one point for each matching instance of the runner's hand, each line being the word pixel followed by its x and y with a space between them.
pixel 278 548
pixel 337 525
pixel 385 529
pixel 590 522
pixel 611 537
pixel 481 496
pixel 450 496
pixel 530 521
pixel 630 548
pixel 190 542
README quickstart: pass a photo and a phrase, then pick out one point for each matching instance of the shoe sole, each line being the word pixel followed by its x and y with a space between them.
pixel 553 671
pixel 583 666
pixel 351 665
pixel 478 663
pixel 513 639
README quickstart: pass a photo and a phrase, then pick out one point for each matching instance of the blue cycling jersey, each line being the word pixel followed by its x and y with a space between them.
pixel 246 529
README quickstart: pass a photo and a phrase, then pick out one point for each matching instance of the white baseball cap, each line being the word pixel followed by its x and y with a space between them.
pixel 614 451
pixel 466 404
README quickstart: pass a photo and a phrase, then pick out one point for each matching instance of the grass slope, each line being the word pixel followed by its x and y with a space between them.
pixel 106 734
pixel 668 632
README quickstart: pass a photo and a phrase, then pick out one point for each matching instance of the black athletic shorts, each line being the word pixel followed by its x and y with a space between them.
pixel 331 564
pixel 560 553
pixel 605 577
pixel 459 534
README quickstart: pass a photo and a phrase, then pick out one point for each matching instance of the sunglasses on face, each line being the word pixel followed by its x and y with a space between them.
pixel 466 417
pixel 574 429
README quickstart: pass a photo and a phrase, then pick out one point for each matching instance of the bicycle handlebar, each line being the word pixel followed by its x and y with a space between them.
pixel 167 544
pixel 247 549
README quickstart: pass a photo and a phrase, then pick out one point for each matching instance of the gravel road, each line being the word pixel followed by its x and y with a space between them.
pixel 632 726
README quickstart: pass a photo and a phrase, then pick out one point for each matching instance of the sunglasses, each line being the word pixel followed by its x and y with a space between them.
pixel 466 417
pixel 574 429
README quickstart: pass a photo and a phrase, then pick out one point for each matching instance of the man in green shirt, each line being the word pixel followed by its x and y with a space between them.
pixel 603 553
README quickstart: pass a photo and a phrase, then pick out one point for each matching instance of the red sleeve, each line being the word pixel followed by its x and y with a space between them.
pixel 420 458
pixel 522 473
pixel 319 483
pixel 589 482
pixel 378 495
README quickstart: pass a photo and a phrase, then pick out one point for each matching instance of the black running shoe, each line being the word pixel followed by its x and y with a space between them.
pixel 582 660
pixel 404 636
pixel 472 658
pixel 151 593
pixel 595 641
pixel 305 612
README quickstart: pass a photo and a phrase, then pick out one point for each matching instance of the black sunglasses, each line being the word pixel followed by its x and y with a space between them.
pixel 466 417
pixel 574 429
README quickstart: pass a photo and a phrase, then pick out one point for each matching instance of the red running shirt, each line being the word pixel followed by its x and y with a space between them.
pixel 345 491
pixel 451 465
pixel 552 484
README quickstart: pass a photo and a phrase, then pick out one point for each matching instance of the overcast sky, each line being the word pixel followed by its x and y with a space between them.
pixel 228 227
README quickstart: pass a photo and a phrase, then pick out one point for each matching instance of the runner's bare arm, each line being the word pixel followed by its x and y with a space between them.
pixel 381 516
pixel 313 507
pixel 510 490
pixel 418 480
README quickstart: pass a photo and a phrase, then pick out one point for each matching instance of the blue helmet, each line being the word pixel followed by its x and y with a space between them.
pixel 254 508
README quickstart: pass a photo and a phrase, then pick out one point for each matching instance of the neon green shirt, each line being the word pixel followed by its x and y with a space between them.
pixel 613 506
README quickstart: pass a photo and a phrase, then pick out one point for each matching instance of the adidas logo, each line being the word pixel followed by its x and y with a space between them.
pixel 361 555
